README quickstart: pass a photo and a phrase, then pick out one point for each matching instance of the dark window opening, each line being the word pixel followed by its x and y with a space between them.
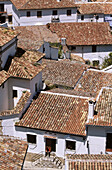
pixel 14 93
pixel 109 142
pixel 31 138
pixel 1 7
pixel 2 19
pixel 110 15
pixel 10 19
pixel 82 17
pixel 95 112
pixel 43 49
pixel 68 12
pixel 93 48
pixel 70 145
pixel 51 144
pixel 28 13
pixel 54 12
pixel 39 14
pixel 36 87
pixel 97 17
pixel 72 47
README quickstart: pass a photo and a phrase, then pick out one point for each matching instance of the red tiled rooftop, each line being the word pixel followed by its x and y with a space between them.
pixel 79 33
pixel 12 153
pixel 56 113
pixel 65 72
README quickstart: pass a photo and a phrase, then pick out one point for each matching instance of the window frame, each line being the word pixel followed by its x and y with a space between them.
pixel 29 140
pixel 67 143
pixel 94 48
pixel 82 17
pixel 69 10
pixel 39 16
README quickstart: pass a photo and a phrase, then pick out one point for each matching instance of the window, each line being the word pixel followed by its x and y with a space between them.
pixel 36 87
pixel 70 145
pixel 93 48
pixel 2 85
pixel 28 13
pixel 69 12
pixel 1 7
pixel 109 142
pixel 39 14
pixel 54 12
pixel 110 15
pixel 14 93
pixel 82 17
pixel 31 138
pixel 97 17
pixel 10 19
pixel 72 47
pixel 43 49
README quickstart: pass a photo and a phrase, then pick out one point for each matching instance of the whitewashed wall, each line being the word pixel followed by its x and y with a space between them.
pixel 46 16
pixel 90 18
pixel 8 49
pixel 4 102
pixel 97 139
pixel 87 54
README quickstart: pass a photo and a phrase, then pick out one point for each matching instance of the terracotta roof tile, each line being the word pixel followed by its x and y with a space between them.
pixel 32 37
pixel 92 162
pixel 104 109
pixel 89 33
pixel 49 4
pixel 65 72
pixel 19 107
pixel 92 82
pixel 3 76
pixel 12 152
pixel 57 113
pixel 6 35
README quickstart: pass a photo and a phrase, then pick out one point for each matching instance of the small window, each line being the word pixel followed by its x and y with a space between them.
pixel 109 142
pixel 31 138
pixel 14 93
pixel 69 12
pixel 110 15
pixel 39 14
pixel 10 19
pixel 93 48
pixel 82 17
pixel 54 12
pixel 36 87
pixel 72 47
pixel 1 7
pixel 70 145
pixel 97 17
pixel 28 13
pixel 43 49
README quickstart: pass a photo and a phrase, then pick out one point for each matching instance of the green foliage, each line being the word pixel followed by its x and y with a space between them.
pixel 108 61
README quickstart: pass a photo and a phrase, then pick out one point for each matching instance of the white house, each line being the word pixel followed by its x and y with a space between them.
pixel 90 40
pixel 8 45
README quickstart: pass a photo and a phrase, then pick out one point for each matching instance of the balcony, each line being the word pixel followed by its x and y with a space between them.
pixel 55 18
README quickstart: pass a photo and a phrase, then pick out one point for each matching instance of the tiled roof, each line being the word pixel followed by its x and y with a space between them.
pixel 3 76
pixel 77 58
pixel 43 4
pixel 56 113
pixel 6 35
pixel 90 8
pixel 92 82
pixel 22 68
pixel 104 109
pixel 12 153
pixel 107 8
pixel 32 37
pixel 19 107
pixel 64 72
pixel 89 33
pixel 92 162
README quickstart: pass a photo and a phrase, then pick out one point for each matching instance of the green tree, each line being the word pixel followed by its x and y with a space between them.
pixel 108 61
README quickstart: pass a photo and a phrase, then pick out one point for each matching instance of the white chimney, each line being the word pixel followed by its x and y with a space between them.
pixel 91 109
pixel 63 41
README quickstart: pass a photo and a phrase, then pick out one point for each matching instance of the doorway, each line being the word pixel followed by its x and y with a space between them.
pixel 51 143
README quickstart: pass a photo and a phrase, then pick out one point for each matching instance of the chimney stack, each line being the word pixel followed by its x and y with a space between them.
pixel 91 108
